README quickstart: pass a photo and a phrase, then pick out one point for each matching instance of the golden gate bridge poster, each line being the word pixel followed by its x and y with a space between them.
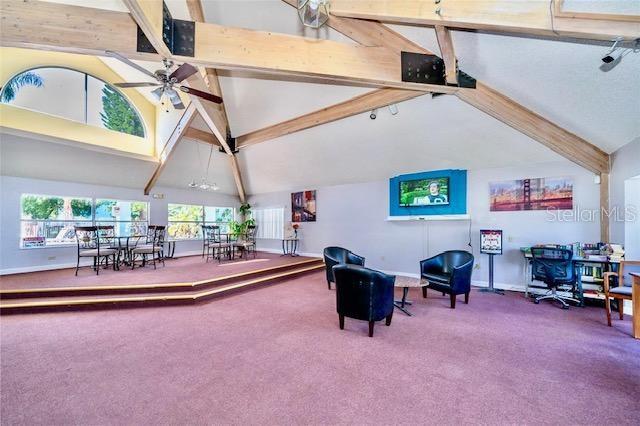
pixel 532 194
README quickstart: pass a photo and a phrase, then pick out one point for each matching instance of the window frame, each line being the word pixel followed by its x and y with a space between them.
pixel 84 100
pixel 200 223
pixel 88 222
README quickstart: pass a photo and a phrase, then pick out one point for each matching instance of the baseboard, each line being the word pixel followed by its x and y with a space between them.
pixel 501 286
pixel 279 251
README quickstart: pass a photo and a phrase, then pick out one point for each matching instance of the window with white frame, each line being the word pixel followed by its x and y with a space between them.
pixel 269 222
pixel 127 217
pixel 49 220
pixel 186 220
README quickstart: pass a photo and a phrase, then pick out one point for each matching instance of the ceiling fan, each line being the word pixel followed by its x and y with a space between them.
pixel 167 81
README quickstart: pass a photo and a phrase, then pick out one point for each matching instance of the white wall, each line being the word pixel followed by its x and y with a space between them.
pixel 625 164
pixel 354 216
pixel 632 225
pixel 15 259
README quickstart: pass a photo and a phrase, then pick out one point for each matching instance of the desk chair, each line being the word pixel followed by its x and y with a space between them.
pixel 554 267
pixel 622 290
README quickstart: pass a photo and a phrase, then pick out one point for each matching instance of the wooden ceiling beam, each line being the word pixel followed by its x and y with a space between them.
pixel 448 54
pixel 532 17
pixel 54 26
pixel 201 136
pixel 170 147
pixel 563 142
pixel 359 104
pixel 144 12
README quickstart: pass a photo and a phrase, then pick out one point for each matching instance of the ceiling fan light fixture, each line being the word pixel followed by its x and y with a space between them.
pixel 313 13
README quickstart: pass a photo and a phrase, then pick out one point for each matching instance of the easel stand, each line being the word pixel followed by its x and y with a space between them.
pixel 490 289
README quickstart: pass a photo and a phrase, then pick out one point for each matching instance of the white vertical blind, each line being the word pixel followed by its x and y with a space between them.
pixel 269 222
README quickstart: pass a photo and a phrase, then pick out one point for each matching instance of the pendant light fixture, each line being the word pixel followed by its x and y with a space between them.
pixel 204 185
pixel 313 13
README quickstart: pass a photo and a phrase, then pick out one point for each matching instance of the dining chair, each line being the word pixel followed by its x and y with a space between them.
pixel 247 243
pixel 153 249
pixel 90 244
pixel 622 290
pixel 215 247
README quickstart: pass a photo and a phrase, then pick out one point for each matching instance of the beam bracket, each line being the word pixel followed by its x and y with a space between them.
pixel 422 68
pixel 178 35
pixel 232 145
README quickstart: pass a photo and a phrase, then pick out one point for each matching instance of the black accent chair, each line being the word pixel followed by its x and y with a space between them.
pixel 363 294
pixel 554 267
pixel 338 256
pixel 449 273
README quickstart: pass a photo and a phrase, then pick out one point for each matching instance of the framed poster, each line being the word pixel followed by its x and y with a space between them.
pixel 532 194
pixel 303 206
pixel 491 241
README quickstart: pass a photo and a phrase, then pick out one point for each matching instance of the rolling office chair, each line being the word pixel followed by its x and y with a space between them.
pixel 555 268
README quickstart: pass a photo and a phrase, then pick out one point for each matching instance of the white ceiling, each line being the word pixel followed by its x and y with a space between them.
pixel 560 80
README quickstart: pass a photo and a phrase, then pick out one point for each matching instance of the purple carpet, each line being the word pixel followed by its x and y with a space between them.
pixel 277 356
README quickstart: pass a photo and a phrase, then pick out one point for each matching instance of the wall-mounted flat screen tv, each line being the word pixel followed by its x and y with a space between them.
pixel 424 192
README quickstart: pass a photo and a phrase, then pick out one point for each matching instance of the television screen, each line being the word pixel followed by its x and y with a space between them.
pixel 424 192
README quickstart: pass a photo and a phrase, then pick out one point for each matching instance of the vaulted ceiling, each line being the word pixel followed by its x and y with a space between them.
pixel 560 80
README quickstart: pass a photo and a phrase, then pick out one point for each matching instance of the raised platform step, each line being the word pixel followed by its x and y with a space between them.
pixel 118 289
pixel 198 291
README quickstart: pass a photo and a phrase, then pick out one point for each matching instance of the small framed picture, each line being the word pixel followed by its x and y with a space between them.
pixel 491 241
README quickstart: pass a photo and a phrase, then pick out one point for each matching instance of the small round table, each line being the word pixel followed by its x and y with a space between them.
pixel 405 283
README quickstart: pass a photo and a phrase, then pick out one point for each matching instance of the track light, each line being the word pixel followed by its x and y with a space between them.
pixel 393 109
pixel 608 58
pixel 374 114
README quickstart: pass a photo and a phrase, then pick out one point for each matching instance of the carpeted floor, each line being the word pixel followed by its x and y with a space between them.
pixel 276 356
pixel 181 269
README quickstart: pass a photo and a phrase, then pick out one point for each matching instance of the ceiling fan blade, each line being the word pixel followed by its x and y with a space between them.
pixel 131 64
pixel 184 71
pixel 126 85
pixel 175 99
pixel 200 93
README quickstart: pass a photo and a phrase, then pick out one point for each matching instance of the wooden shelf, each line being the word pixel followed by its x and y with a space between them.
pixel 429 217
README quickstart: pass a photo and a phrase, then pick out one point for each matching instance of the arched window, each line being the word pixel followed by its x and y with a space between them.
pixel 73 95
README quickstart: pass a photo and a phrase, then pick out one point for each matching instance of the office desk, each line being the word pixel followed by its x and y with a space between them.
pixel 580 263
pixel 635 301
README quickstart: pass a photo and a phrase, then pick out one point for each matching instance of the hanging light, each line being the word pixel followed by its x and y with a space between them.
pixel 313 13
pixel 204 185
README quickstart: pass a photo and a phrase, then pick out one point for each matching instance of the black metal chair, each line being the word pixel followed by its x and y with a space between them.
pixel 152 248
pixel 215 248
pixel 363 294
pixel 449 273
pixel 247 243
pixel 338 256
pixel 554 267
pixel 90 244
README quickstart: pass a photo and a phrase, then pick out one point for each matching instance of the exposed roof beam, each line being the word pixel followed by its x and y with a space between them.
pixel 202 136
pixel 144 13
pixel 365 102
pixel 448 54
pixel 538 128
pixel 170 146
pixel 531 17
pixel 149 18
pixel 515 115
pixel 77 29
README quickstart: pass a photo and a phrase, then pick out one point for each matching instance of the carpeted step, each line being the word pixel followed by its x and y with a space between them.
pixel 138 289
pixel 196 294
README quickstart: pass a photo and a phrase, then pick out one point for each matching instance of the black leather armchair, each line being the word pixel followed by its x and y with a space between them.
pixel 337 256
pixel 450 273
pixel 363 294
